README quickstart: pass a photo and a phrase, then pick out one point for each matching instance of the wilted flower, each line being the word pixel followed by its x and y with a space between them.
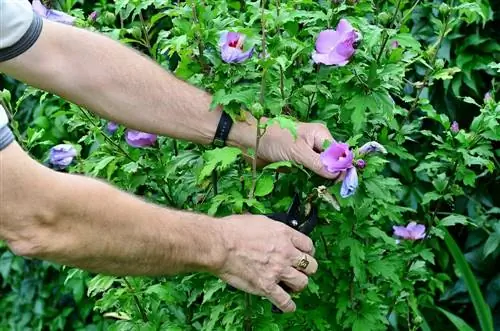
pixel 350 183
pixel 93 16
pixel 61 156
pixel 52 14
pixel 454 127
pixel 361 164
pixel 412 231
pixel 112 127
pixel 231 47
pixel 337 157
pixel 139 139
pixel 394 44
pixel 335 47
pixel 371 147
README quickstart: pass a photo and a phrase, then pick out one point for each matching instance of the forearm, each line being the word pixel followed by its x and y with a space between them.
pixel 88 224
pixel 119 84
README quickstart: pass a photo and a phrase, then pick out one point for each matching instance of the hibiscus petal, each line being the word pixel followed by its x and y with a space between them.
pixel 321 58
pixel 337 59
pixel 401 231
pixel 350 183
pixel 233 37
pixel 344 27
pixel 345 48
pixel 327 40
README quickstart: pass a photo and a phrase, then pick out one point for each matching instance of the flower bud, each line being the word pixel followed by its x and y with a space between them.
pixel 93 16
pixel 384 17
pixel 439 64
pixel 444 8
pixel 109 18
pixel 361 164
pixel 112 127
pixel 454 127
pixel 257 110
pixel 136 32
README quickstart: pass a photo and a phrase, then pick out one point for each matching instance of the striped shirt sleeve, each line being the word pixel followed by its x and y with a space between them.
pixel 20 28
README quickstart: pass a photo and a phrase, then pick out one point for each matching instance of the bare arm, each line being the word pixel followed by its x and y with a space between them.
pixel 119 84
pixel 83 222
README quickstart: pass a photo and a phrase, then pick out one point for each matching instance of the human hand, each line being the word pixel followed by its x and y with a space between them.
pixel 261 253
pixel 278 144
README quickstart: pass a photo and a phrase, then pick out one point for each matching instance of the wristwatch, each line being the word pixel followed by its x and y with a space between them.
pixel 223 128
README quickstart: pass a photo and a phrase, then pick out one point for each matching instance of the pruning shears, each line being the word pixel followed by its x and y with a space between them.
pixel 301 218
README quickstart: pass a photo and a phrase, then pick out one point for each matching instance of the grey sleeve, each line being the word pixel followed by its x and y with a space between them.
pixel 6 135
pixel 20 28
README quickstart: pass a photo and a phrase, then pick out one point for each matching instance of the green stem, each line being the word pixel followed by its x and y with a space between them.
pixel 145 30
pixel 386 36
pixel 432 63
pixel 137 302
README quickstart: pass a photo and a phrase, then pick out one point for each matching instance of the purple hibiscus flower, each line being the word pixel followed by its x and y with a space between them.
pixel 335 47
pixel 61 156
pixel 231 47
pixel 52 14
pixel 139 139
pixel 412 231
pixel 350 183
pixel 337 157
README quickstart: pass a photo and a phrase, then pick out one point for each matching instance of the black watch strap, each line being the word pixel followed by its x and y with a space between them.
pixel 225 124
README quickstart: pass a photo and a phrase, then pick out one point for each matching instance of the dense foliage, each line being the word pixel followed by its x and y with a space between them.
pixel 421 82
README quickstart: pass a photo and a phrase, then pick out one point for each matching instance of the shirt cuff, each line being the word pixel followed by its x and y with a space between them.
pixel 6 137
pixel 26 41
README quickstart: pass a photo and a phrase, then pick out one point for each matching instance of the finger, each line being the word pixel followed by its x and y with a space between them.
pixel 302 242
pixel 305 263
pixel 310 159
pixel 282 300
pixel 322 136
pixel 295 280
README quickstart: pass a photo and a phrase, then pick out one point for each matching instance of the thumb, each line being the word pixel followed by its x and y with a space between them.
pixel 312 160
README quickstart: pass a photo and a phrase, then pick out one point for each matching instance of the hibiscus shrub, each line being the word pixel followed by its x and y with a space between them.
pixel 414 181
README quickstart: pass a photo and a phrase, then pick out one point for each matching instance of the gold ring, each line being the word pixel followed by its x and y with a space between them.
pixel 303 263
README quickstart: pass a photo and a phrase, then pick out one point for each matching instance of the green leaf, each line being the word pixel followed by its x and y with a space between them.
pixel 277 165
pixel 264 186
pixel 430 196
pixel 219 157
pixel 459 323
pixel 446 74
pixel 483 312
pixel 491 244
pixel 99 284
pixel 453 220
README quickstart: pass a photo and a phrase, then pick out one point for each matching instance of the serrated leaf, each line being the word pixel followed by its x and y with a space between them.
pixel 219 157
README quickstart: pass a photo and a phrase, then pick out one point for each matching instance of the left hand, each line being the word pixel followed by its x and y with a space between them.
pixel 278 144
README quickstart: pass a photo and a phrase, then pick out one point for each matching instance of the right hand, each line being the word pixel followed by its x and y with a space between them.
pixel 260 253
